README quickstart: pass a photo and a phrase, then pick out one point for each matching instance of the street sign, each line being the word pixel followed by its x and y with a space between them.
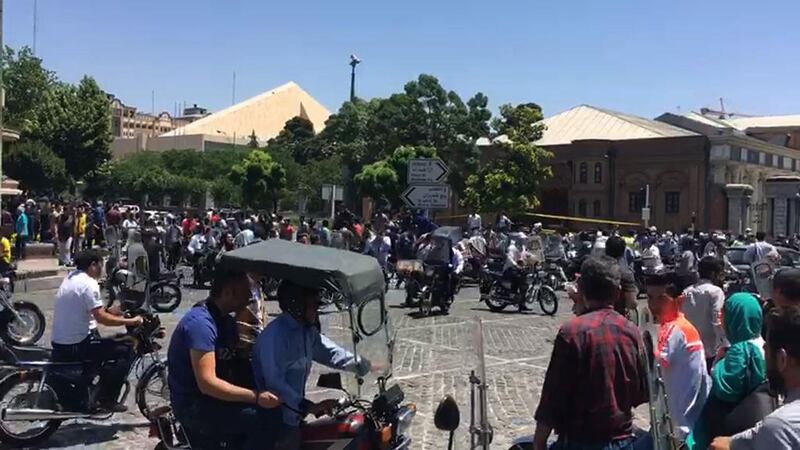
pixel 326 192
pixel 646 214
pixel 427 197
pixel 427 171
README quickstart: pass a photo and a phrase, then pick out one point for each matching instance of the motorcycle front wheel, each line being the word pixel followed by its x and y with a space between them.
pixel 28 328
pixel 548 300
pixel 19 393
pixel 165 297
pixel 152 390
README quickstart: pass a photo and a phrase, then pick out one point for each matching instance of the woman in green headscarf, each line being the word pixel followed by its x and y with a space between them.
pixel 739 372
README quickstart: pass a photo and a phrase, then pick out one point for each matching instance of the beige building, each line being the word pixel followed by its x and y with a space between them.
pixel 129 123
pixel 265 114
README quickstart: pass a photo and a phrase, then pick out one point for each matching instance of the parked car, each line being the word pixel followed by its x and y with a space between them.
pixel 789 257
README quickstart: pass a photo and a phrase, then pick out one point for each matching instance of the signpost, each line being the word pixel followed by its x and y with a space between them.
pixel 427 196
pixel 427 188
pixel 427 171
pixel 332 193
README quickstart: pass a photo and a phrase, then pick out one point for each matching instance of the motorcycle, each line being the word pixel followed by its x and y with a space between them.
pixel 554 274
pixel 41 394
pixel 358 422
pixel 499 291
pixel 437 289
pixel 203 267
pixel 135 289
pixel 21 322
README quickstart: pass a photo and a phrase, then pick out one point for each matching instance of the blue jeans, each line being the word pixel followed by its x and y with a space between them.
pixel 208 420
pixel 567 444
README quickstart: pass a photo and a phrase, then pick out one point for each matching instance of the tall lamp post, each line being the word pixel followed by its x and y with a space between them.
pixel 2 95
pixel 354 61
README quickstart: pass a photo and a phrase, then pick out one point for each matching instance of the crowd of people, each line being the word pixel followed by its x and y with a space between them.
pixel 714 350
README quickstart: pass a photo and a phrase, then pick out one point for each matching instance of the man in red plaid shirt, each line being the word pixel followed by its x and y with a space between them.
pixel 596 374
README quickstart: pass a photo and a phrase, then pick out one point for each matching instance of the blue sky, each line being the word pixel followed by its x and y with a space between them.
pixel 635 56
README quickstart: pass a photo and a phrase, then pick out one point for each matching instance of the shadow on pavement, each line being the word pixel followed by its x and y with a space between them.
pixel 87 433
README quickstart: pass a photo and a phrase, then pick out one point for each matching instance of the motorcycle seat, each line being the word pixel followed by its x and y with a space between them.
pixel 166 276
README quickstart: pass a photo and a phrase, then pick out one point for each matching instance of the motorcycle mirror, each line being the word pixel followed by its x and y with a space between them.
pixel 447 415
pixel 330 381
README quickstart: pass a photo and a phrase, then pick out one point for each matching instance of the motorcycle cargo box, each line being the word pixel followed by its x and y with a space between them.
pixel 407 266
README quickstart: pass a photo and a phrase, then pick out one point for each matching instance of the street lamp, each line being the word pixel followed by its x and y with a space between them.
pixel 354 61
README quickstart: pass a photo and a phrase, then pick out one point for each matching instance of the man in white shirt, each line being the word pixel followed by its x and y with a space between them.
pixel 474 223
pixel 78 309
pixel 702 306
pixel 759 249
pixel 245 236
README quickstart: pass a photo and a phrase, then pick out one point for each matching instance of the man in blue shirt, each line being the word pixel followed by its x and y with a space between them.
pixel 203 398
pixel 283 355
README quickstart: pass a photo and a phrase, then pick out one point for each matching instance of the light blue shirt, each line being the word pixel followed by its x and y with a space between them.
pixel 282 360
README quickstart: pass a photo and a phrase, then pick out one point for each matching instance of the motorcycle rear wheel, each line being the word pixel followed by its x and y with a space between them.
pixel 29 329
pixel 548 300
pixel 21 439
pixel 165 297
pixel 492 302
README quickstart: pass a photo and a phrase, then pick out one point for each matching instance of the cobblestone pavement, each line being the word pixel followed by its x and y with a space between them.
pixel 433 356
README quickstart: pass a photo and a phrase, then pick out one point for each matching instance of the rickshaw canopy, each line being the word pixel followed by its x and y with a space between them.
pixel 454 234
pixel 358 277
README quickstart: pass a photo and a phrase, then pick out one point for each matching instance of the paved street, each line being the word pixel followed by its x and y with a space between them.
pixel 433 357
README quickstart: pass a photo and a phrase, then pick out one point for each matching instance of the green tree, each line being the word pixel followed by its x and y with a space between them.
pixel 225 193
pixel 27 85
pixel 379 181
pixel 76 123
pixel 260 179
pixel 253 143
pixel 37 168
pixel 512 179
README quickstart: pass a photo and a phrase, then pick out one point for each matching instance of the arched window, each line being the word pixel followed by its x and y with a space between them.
pixel 582 208
pixel 583 173
pixel 596 208
pixel 598 173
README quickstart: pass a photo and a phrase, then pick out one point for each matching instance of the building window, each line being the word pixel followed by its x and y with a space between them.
pixel 753 156
pixel 598 173
pixel 794 164
pixel 583 173
pixel 736 153
pixel 768 159
pixel 596 208
pixel 672 202
pixel 636 201
pixel 582 208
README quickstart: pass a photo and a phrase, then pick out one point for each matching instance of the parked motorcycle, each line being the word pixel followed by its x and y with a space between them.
pixel 499 291
pixel 21 322
pixel 34 390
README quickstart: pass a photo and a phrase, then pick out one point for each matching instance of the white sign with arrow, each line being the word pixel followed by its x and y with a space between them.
pixel 427 171
pixel 427 196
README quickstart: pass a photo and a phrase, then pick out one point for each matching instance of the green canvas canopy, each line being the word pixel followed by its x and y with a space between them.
pixel 357 277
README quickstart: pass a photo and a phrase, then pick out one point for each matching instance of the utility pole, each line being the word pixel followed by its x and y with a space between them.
pixel 354 61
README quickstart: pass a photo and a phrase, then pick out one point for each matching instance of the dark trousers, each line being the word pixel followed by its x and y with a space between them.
pixel 20 246
pixel 106 357
pixel 173 255
pixel 208 420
